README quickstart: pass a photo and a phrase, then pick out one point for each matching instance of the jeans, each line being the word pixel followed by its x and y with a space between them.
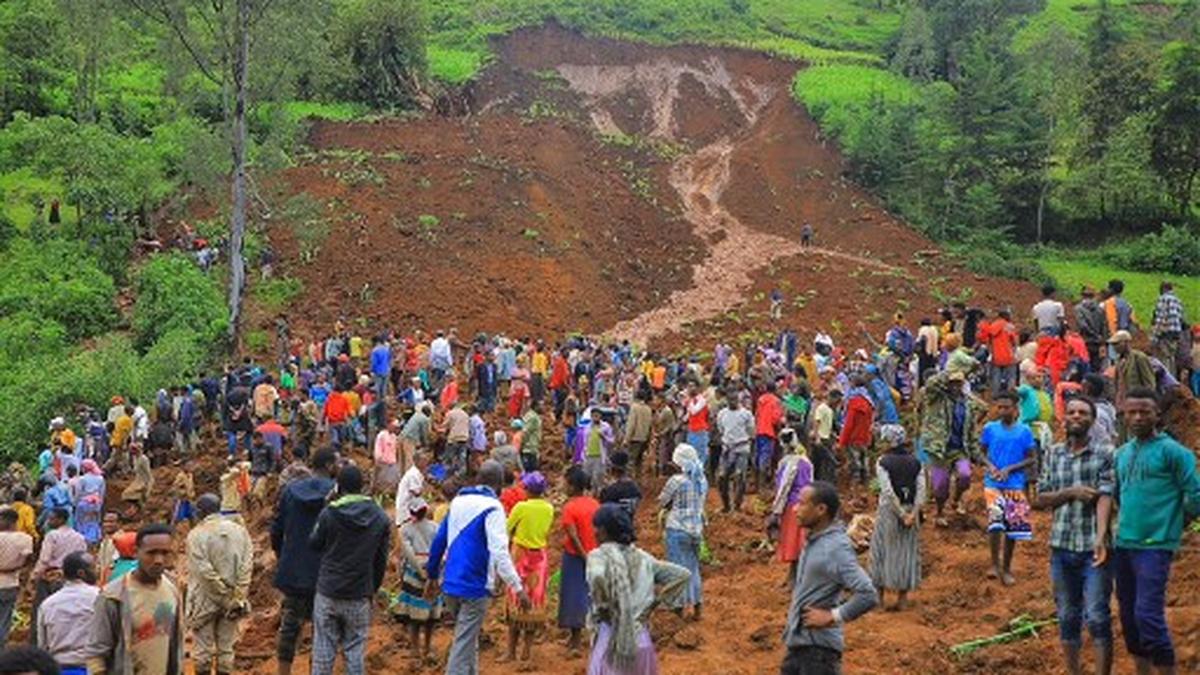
pixel 811 661
pixel 8 602
pixel 294 611
pixel 764 455
pixel 1142 591
pixel 1003 378
pixel 1081 594
pixel 469 614
pixel 338 434
pixel 684 549
pixel 340 624
pixel 231 441
pixel 699 441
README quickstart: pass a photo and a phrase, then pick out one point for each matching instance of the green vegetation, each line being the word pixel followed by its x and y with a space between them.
pixel 278 293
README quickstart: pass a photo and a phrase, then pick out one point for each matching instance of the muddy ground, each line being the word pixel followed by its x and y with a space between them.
pixel 657 194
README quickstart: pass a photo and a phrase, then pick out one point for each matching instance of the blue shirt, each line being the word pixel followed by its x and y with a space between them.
pixel 1006 446
pixel 381 360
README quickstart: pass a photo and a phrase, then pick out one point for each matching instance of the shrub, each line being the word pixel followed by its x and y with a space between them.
pixel 59 281
pixel 173 293
pixel 384 42
pixel 277 293
pixel 1174 250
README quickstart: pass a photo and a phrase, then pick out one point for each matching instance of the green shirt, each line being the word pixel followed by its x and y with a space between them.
pixel 1157 490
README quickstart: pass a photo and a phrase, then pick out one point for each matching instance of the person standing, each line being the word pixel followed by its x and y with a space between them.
pixel 1089 320
pixel 896 540
pixel 736 427
pixel 823 460
pixel 387 471
pixel 794 474
pixel 597 440
pixel 681 505
pixel 806 235
pixel 827 570
pixel 220 559
pixel 622 581
pixel 1000 336
pixel 768 418
pixel 16 551
pixel 1133 369
pixel 137 625
pixel 300 504
pixel 949 439
pixel 1157 493
pixel 663 433
pixel 1077 483
pixel 381 366
pixel 529 525
pixel 58 543
pixel 65 620
pixel 1168 327
pixel 638 428
pixel 353 536
pixel 1049 315
pixel 531 436
pixel 421 615
pixel 1010 449
pixel 696 406
pixel 579 539
pixel 474 543
pixel 855 440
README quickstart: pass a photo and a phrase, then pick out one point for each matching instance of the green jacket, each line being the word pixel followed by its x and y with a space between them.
pixel 937 416
pixel 1157 492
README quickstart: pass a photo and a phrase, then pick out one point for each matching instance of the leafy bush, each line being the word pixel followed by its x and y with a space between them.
pixel 172 294
pixel 384 43
pixel 277 293
pixel 59 281
pixel 1174 250
pixel 991 253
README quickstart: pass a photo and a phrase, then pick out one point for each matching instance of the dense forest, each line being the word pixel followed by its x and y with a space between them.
pixel 988 125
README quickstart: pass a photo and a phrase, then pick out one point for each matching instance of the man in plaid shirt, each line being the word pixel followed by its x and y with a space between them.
pixel 1077 481
pixel 1168 326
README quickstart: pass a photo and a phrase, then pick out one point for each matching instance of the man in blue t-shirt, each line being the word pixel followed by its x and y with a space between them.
pixel 1009 449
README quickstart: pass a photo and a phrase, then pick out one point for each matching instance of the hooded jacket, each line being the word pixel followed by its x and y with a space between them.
pixel 353 536
pixel 300 504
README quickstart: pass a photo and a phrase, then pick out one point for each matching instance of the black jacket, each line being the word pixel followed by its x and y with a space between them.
pixel 299 505
pixel 353 536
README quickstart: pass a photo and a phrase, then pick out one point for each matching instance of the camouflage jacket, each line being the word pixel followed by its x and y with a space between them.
pixel 937 416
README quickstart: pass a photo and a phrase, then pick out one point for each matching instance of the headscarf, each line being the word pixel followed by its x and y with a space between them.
pixel 685 458
pixel 892 435
pixel 534 482
pixel 90 467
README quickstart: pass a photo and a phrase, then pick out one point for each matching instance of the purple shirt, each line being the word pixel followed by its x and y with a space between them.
pixel 802 479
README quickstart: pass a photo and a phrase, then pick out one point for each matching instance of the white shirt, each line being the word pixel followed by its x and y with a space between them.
pixel 439 353
pixel 65 622
pixel 141 423
pixel 412 484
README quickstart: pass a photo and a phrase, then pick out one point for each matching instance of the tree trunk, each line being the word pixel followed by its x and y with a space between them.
pixel 1041 209
pixel 237 265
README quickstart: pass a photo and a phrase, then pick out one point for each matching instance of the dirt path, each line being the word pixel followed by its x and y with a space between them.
pixel 721 279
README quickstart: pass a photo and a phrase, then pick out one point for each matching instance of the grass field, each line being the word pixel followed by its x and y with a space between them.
pixel 1141 288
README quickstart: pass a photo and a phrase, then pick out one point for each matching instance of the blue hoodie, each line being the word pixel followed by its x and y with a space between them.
pixel 474 541
pixel 881 395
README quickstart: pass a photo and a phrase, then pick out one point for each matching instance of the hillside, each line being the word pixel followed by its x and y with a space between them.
pixel 601 186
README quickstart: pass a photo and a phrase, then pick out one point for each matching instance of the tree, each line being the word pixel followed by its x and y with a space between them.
pixel 29 31
pixel 1176 126
pixel 916 52
pixel 384 41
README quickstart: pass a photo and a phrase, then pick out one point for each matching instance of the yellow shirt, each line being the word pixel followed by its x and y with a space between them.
pixel 354 401
pixel 530 522
pixel 440 511
pixel 122 429
pixel 539 364
pixel 733 365
pixel 26 520
pixel 357 350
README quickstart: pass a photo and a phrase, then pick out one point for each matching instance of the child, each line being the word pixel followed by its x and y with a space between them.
pixel 529 526
pixel 183 489
pixel 416 537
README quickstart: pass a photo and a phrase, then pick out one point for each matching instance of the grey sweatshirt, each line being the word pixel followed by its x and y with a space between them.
pixel 827 568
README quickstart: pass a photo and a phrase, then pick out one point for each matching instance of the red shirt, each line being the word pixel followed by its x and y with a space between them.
pixel 1000 336
pixel 768 413
pixel 698 421
pixel 857 430
pixel 511 496
pixel 337 408
pixel 578 511
pixel 558 372
pixel 272 427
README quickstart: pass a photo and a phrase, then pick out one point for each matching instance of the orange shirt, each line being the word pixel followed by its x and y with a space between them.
pixel 337 408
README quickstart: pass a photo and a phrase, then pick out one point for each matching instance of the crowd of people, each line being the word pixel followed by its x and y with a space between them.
pixel 433 460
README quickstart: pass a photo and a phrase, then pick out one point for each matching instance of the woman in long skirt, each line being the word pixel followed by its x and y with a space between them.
pixel 682 500
pixel 579 539
pixel 529 525
pixel 896 543
pixel 411 606
pixel 794 474
pixel 625 584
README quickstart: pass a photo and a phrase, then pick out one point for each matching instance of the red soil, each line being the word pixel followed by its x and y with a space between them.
pixel 613 241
